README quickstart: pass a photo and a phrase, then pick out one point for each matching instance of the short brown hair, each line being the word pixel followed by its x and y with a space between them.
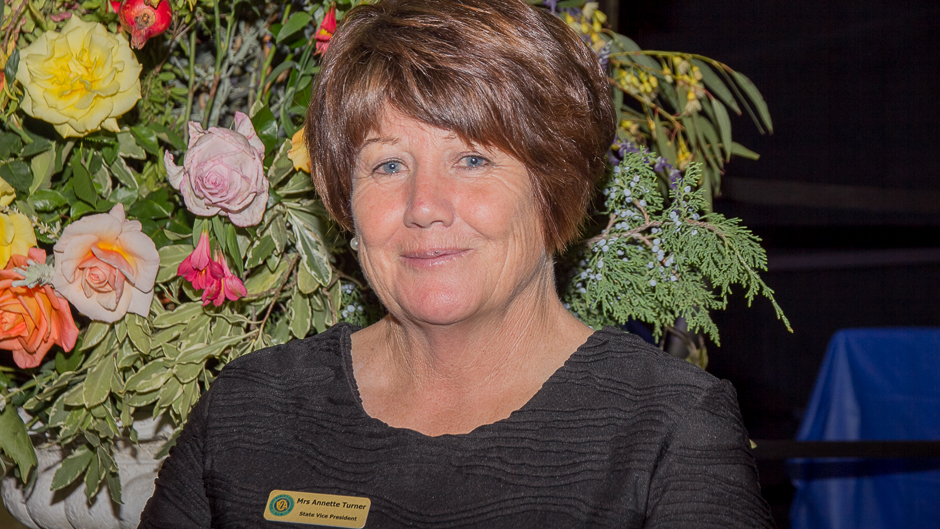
pixel 497 73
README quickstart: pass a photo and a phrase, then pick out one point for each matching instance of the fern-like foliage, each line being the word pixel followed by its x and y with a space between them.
pixel 661 257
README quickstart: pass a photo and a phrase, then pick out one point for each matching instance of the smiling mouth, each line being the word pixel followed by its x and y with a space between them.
pixel 433 256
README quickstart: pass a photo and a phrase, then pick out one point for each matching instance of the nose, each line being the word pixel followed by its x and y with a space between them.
pixel 430 201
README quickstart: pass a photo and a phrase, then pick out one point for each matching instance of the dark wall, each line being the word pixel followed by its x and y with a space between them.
pixel 853 89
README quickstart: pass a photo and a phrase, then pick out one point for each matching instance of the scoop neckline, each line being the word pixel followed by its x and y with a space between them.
pixel 346 352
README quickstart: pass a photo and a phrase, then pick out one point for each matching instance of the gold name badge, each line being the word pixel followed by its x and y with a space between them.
pixel 317 509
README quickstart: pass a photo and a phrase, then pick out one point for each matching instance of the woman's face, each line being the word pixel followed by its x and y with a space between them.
pixel 448 232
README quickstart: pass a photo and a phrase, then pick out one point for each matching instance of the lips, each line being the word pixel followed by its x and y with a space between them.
pixel 431 257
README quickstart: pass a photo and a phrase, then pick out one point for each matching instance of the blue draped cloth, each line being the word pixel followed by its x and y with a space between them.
pixel 874 384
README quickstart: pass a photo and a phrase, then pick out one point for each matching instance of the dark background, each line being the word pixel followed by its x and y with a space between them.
pixel 846 195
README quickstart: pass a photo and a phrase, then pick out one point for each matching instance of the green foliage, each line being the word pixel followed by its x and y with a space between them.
pixel 660 258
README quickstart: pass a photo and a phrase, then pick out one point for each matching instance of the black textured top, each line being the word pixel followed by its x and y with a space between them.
pixel 622 435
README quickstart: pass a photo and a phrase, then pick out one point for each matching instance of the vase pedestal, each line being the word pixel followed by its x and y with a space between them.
pixel 37 507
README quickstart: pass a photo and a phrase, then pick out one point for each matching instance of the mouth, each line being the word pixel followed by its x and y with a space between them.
pixel 432 257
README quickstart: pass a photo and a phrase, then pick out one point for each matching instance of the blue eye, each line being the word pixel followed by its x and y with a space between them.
pixel 391 167
pixel 474 160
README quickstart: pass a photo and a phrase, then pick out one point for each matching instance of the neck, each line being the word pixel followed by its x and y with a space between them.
pixel 481 351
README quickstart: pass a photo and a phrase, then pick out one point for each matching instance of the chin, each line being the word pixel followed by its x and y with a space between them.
pixel 441 306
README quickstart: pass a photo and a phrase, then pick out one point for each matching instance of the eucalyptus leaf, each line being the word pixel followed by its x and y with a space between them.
pixel 740 150
pixel 754 94
pixel 723 120
pixel 716 86
pixel 93 335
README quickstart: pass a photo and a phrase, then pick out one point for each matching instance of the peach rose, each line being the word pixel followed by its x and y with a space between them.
pixel 106 266
pixel 32 320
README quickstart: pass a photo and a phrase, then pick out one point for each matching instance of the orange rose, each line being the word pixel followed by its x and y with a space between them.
pixel 32 319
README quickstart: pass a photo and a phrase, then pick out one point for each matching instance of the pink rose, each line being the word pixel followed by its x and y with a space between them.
pixel 212 276
pixel 105 266
pixel 222 172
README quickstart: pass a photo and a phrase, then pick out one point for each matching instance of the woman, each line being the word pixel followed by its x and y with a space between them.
pixel 460 140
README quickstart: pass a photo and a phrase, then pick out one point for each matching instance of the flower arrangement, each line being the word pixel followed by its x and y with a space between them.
pixel 157 218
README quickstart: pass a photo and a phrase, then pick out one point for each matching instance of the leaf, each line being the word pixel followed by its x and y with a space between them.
pixel 149 378
pixel 65 362
pixel 72 467
pixel 81 181
pixel 114 487
pixel 279 233
pixel 306 282
pixel 232 249
pixel 17 174
pixel 281 166
pixel 181 314
pixel 186 373
pixel 93 335
pixel 170 259
pixel 137 333
pixel 260 251
pixel 299 183
pixel 309 232
pixel 724 126
pixel 147 138
pixel 42 165
pixel 716 85
pixel 264 279
pixel 47 200
pixel 13 63
pixel 266 127
pixel 128 147
pixel 15 443
pixel 295 23
pixel 98 384
pixel 740 150
pixel 300 316
pixel 123 173
pixel 38 145
pixel 198 353
pixel 92 478
pixel 628 45
pixel 754 94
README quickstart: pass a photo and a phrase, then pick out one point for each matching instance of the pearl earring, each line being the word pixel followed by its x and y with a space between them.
pixel 354 243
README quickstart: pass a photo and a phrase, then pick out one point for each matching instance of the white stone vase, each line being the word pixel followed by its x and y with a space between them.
pixel 37 507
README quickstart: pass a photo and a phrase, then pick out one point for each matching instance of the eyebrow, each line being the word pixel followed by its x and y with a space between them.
pixel 388 140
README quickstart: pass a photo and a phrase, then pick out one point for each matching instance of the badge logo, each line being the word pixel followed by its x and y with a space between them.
pixel 281 505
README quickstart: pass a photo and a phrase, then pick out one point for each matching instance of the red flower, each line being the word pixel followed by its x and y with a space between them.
pixel 326 30
pixel 212 276
pixel 143 18
pixel 226 285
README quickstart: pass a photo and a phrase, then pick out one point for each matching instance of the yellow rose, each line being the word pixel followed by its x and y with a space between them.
pixel 7 193
pixel 16 236
pixel 298 152
pixel 80 79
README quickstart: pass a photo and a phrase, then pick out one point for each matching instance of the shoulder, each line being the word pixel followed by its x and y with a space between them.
pixel 627 359
pixel 620 371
